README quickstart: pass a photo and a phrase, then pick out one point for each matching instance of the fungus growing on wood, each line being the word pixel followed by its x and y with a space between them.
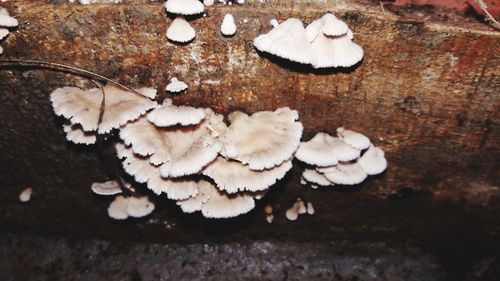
pixel 6 21
pixel 118 208
pixel 176 86
pixel 232 176
pixel 195 203
pixel 180 31
pixel 288 40
pixel 315 177
pixel 228 26
pixel 139 207
pixel 184 7
pixel 264 139
pixel 293 212
pixel 76 134
pixel 373 161
pixel 354 139
pixel 269 213
pixel 347 174
pixel 106 188
pixel 324 150
pixel 83 107
pixel 169 115
pixel 25 195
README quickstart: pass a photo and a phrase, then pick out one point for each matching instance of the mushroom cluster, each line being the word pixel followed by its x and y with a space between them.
pixel 180 30
pixel 347 159
pixel 6 21
pixel 324 43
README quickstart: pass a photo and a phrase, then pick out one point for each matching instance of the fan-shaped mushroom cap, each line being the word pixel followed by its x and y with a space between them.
pixel 195 203
pixel 139 207
pixel 348 174
pixel 232 176
pixel 318 151
pixel 180 31
pixel 184 150
pixel 144 172
pixel 118 208
pixel 83 107
pixel 7 20
pixel 25 195
pixel 221 205
pixel 3 32
pixel 373 161
pixel 332 26
pixel 263 140
pixel 354 139
pixel 169 115
pixel 76 134
pixel 184 7
pixel 288 40
pixel 176 86
pixel 228 27
pixel 313 176
pixel 337 51
pixel 106 188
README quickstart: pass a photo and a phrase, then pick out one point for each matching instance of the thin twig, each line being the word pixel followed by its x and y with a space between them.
pixel 382 7
pixel 484 8
pixel 64 68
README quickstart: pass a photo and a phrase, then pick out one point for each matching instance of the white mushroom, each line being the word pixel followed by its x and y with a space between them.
pixel 221 205
pixel 288 40
pixel 310 208
pixel 184 7
pixel 139 207
pixel 170 115
pixel 293 212
pixel 76 134
pixel 25 195
pixel 106 188
pixel 176 86
pixel 348 174
pixel 373 161
pixel 228 27
pixel 354 139
pixel 232 176
pixel 195 203
pixel 6 20
pixel 315 177
pixel 118 208
pixel 180 31
pixel 324 150
pixel 83 107
pixel 337 51
pixel 264 139
pixel 302 206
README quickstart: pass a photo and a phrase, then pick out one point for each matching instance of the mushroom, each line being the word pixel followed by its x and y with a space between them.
pixel 373 161
pixel 354 139
pixel 145 172
pixel 315 177
pixel 232 176
pixel 170 115
pixel 310 208
pixel 288 40
pixel 228 27
pixel 139 207
pixel 293 212
pixel 118 208
pixel 195 203
pixel 25 195
pixel 83 107
pixel 106 188
pixel 6 20
pixel 264 139
pixel 76 134
pixel 176 86
pixel 348 174
pixel 180 30
pixel 324 150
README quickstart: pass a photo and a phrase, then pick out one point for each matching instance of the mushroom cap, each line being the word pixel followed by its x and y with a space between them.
pixel 180 31
pixel 144 172
pixel 313 176
pixel 3 33
pixel 232 176
pixel 106 188
pixel 335 51
pixel 221 205
pixel 318 151
pixel 7 21
pixel 169 115
pixel 118 208
pixel 184 7
pixel 195 203
pixel 25 195
pixel 76 134
pixel 310 208
pixel 373 161
pixel 228 26
pixel 263 140
pixel 348 174
pixel 332 26
pixel 139 207
pixel 83 107
pixel 354 139
pixel 176 86
pixel 293 212
pixel 288 40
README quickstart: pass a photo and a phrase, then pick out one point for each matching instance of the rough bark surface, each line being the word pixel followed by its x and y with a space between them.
pixel 427 92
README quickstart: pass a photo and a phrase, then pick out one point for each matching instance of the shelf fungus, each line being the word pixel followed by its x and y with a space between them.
pixel 82 109
pixel 123 207
pixel 180 30
pixel 346 160
pixel 106 188
pixel 176 86
pixel 263 140
pixel 325 43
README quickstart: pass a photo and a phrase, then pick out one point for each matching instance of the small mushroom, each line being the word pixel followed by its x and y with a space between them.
pixel 76 134
pixel 170 115
pixel 373 161
pixel 293 212
pixel 6 20
pixel 3 33
pixel 139 207
pixel 348 174
pixel 118 208
pixel 176 86
pixel 310 208
pixel 25 195
pixel 354 139
pixel 184 7
pixel 195 203
pixel 315 177
pixel 324 150
pixel 106 188
pixel 228 27
pixel 302 206
pixel 180 31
